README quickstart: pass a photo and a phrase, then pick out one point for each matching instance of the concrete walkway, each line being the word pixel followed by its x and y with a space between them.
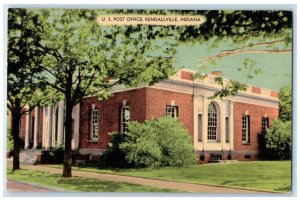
pixel 188 187
pixel 16 186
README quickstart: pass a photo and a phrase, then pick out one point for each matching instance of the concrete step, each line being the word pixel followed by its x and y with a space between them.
pixel 29 156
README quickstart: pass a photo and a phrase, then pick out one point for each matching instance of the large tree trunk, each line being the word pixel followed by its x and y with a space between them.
pixel 16 139
pixel 67 170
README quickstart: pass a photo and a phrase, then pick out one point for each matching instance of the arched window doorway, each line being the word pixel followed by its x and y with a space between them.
pixel 212 122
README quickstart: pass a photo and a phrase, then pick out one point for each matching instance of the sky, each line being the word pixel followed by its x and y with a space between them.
pixel 275 69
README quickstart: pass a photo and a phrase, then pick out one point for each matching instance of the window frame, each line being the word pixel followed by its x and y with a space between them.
pixel 264 125
pixel 227 129
pixel 94 126
pixel 124 122
pixel 174 113
pixel 246 129
pixel 200 125
pixel 212 122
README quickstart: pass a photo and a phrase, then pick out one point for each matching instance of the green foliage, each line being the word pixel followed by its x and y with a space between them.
pixel 275 143
pixel 285 104
pixel 9 140
pixel 114 156
pixel 58 154
pixel 160 142
pixel 278 139
pixel 86 59
pixel 141 146
pixel 228 89
pixel 83 57
pixel 24 56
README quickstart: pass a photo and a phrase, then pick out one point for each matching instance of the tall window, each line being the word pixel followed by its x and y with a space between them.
pixel 264 123
pixel 200 127
pixel 227 129
pixel 172 111
pixel 246 129
pixel 125 118
pixel 212 122
pixel 94 125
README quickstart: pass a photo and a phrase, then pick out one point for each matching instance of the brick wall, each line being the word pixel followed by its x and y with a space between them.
pixel 145 103
pixel 157 100
pixel 109 115
pixel 256 113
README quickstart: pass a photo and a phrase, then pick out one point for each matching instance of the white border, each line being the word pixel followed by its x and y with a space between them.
pixel 254 4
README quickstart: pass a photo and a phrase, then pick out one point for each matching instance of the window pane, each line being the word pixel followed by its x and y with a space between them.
pixel 246 128
pixel 172 111
pixel 212 122
pixel 94 124
pixel 125 118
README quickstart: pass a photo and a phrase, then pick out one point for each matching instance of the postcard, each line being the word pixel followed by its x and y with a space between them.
pixel 170 101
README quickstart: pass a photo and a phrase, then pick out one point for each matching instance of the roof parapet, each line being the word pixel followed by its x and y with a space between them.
pixel 186 75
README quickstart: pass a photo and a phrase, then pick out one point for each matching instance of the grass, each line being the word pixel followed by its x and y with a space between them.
pixel 259 175
pixel 78 183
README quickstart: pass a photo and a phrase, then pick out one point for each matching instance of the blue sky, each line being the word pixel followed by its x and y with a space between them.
pixel 275 69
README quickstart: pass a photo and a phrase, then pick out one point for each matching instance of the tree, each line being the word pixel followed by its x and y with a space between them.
pixel 276 142
pixel 279 139
pixel 285 103
pixel 24 54
pixel 86 59
pixel 257 32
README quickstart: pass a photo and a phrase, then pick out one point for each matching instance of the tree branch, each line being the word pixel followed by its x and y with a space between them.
pixel 54 86
pixel 111 85
pixel 241 51
pixel 257 45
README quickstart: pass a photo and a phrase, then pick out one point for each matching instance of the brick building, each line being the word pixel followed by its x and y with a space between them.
pixel 220 129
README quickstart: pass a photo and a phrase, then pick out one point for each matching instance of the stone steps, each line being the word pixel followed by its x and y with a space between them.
pixel 29 156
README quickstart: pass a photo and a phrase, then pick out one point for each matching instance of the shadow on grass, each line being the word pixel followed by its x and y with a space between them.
pixel 95 185
pixel 283 189
pixel 79 183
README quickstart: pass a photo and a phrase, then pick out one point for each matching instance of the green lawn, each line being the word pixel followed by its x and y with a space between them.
pixel 78 183
pixel 260 175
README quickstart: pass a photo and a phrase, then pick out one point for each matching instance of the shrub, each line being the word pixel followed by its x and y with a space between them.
pixel 58 154
pixel 114 157
pixel 174 141
pixel 160 142
pixel 278 139
pixel 141 146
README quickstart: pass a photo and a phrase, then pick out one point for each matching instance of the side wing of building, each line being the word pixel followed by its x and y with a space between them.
pixel 221 129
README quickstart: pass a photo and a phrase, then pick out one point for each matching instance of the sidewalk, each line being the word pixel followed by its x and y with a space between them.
pixel 188 187
pixel 17 186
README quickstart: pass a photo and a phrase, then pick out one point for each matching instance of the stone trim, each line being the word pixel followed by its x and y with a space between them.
pixel 85 151
pixel 253 152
